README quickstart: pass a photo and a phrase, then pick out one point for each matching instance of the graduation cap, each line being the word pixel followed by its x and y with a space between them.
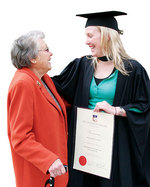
pixel 105 19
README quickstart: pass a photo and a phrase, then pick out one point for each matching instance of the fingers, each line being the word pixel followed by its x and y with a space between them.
pixel 97 109
pixel 57 169
pixel 104 106
pixel 100 106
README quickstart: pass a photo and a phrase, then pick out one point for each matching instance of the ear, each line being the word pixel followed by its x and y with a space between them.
pixel 33 61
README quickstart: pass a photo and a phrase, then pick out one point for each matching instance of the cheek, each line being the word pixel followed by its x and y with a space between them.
pixel 98 43
pixel 95 40
pixel 38 58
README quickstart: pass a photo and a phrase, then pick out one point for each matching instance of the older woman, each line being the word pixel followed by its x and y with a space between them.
pixel 110 81
pixel 37 124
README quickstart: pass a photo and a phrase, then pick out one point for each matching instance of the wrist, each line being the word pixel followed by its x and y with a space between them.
pixel 119 111
pixel 115 111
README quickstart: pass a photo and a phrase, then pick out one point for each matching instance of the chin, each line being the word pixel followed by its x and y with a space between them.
pixel 94 55
pixel 48 69
pixel 49 66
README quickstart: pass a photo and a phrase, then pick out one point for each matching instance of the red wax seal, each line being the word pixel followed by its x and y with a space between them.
pixel 82 160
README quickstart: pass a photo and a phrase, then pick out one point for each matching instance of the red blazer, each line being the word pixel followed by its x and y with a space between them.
pixel 37 129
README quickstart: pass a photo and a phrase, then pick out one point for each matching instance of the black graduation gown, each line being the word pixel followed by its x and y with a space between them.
pixel 130 164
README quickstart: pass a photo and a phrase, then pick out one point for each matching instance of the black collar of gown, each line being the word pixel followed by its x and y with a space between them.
pixel 103 58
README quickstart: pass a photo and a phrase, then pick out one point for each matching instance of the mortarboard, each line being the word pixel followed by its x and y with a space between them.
pixel 105 19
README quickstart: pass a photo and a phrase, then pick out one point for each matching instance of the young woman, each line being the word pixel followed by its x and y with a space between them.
pixel 111 81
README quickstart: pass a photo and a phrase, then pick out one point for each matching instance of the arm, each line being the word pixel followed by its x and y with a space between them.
pixel 137 97
pixel 21 120
pixel 67 80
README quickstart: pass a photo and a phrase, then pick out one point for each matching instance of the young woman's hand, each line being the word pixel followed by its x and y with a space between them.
pixel 106 107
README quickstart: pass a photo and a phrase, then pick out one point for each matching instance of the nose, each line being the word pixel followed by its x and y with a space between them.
pixel 87 42
pixel 51 54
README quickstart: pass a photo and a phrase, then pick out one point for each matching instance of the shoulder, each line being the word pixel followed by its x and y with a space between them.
pixel 77 65
pixel 83 59
pixel 134 67
pixel 82 62
pixel 21 81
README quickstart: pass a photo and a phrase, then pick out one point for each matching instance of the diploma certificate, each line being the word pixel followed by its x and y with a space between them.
pixel 94 142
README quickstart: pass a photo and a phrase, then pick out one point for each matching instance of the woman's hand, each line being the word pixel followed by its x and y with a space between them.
pixel 106 107
pixel 57 169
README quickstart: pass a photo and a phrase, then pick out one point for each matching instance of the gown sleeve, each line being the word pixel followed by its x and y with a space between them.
pixel 140 93
pixel 67 80
pixel 139 122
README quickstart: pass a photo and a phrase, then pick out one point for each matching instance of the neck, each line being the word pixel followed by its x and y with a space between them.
pixel 37 73
pixel 104 58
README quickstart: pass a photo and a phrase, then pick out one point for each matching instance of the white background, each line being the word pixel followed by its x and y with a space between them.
pixel 66 39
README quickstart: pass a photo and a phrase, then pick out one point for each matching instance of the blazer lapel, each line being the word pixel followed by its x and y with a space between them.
pixel 52 88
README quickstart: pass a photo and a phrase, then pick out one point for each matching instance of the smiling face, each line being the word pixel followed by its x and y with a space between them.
pixel 93 40
pixel 44 56
pixel 41 63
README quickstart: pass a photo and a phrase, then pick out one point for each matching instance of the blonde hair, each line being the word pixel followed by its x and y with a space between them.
pixel 113 49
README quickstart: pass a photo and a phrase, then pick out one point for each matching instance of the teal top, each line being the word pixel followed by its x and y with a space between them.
pixel 105 91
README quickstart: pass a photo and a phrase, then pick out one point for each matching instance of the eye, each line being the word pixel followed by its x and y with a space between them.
pixel 47 50
pixel 89 35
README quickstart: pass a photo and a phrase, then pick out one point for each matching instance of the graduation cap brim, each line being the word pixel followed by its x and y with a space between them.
pixel 105 19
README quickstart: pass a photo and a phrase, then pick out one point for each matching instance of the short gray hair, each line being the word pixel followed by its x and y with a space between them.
pixel 25 48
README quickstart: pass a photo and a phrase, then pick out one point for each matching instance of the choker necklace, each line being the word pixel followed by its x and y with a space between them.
pixel 103 58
